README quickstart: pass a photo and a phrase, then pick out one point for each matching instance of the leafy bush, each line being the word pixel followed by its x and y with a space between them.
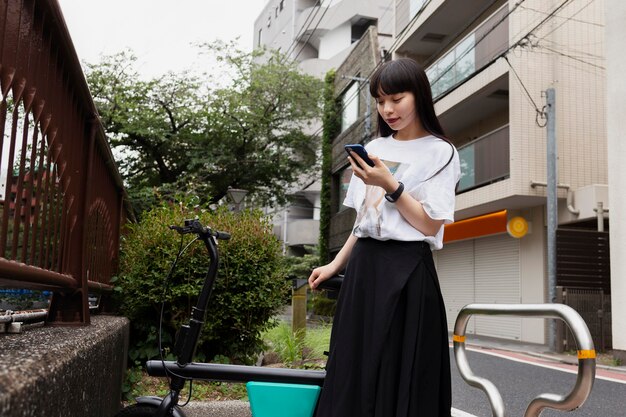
pixel 322 305
pixel 247 293
pixel 295 351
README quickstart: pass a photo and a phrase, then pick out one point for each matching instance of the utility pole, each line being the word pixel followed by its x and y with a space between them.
pixel 552 206
pixel 368 105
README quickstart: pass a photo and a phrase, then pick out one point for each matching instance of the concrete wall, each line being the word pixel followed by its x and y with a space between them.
pixel 580 85
pixel 616 126
pixel 533 271
pixel 71 371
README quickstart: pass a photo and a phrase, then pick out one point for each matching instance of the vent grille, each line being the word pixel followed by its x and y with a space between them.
pixel 434 37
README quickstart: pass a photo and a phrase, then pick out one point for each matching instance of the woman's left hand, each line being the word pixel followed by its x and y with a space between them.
pixel 378 175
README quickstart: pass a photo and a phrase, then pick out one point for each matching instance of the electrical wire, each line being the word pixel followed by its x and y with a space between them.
pixel 304 28
pixel 568 19
pixel 312 32
pixel 572 57
pixel 538 113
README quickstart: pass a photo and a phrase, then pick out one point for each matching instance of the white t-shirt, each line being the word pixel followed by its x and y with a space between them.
pixel 413 162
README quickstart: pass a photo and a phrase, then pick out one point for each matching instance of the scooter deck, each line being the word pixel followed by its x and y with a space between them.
pixel 236 373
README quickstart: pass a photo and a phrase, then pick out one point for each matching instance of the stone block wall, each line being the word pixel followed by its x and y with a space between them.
pixel 69 371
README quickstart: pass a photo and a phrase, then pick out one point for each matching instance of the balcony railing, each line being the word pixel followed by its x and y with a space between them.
pixel 485 160
pixel 470 55
pixel 61 196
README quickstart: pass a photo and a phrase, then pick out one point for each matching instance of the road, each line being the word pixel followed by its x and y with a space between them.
pixel 520 378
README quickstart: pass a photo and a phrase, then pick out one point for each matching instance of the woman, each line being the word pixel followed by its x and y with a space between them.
pixel 389 352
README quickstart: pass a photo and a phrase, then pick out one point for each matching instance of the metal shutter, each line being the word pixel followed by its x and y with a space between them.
pixel 497 280
pixel 455 267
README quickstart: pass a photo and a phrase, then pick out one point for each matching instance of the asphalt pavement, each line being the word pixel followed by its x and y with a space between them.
pixel 523 371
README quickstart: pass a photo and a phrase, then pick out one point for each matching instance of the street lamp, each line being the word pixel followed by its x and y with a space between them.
pixel 236 195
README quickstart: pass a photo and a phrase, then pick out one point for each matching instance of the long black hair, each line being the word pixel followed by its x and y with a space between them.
pixel 402 75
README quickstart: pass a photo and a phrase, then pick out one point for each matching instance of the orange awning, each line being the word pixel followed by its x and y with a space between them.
pixel 487 224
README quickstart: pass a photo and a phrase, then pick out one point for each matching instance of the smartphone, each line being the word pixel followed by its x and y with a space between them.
pixel 359 150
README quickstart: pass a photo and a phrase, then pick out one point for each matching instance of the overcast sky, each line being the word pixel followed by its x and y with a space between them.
pixel 160 32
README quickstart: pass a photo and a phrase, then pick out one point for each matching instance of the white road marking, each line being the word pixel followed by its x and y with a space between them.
pixel 459 413
pixel 542 365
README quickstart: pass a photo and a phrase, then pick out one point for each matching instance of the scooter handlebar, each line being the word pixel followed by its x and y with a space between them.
pixel 194 226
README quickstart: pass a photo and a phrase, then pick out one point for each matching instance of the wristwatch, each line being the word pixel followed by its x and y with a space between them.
pixel 393 197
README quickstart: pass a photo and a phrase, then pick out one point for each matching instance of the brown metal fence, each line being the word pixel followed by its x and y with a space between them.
pixel 594 306
pixel 61 196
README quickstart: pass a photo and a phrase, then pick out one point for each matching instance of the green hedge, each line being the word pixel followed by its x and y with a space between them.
pixel 331 128
pixel 248 292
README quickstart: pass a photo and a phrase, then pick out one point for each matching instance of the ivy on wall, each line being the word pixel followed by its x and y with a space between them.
pixel 331 128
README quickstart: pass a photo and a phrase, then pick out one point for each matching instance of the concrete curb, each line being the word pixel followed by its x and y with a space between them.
pixel 242 409
pixel 218 408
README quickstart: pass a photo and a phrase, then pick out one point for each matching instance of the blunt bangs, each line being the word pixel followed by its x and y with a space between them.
pixel 392 78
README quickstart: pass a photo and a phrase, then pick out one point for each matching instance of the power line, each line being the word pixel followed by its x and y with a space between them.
pixel 538 113
pixel 567 62
pixel 568 20
pixel 313 31
pixel 572 57
pixel 571 50
pixel 305 26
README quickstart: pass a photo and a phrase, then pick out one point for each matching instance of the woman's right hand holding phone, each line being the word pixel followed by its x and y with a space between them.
pixel 378 174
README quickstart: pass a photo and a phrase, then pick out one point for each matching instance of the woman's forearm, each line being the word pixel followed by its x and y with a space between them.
pixel 341 260
pixel 414 213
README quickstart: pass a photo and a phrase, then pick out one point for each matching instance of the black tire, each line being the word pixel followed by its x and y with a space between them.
pixel 137 410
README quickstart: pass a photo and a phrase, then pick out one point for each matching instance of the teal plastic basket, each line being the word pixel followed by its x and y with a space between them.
pixel 269 399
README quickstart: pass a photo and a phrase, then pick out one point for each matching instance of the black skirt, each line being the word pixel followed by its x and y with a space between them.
pixel 389 353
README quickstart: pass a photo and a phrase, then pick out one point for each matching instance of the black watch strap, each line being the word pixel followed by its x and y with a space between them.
pixel 393 197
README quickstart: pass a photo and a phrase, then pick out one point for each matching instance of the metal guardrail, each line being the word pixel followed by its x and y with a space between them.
pixel 62 199
pixel 586 355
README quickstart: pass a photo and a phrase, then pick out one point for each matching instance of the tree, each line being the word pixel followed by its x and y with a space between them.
pixel 188 133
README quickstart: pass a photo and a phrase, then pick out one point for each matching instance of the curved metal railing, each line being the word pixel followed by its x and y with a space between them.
pixel 586 355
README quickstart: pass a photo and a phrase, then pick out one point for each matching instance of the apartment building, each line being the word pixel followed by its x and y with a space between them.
pixel 319 35
pixel 490 63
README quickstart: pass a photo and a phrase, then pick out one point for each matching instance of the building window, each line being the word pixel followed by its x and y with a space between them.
pixel 359 28
pixel 259 41
pixel 276 12
pixel 344 182
pixel 269 20
pixel 350 106
pixel 281 5
pixel 478 166
pixel 453 67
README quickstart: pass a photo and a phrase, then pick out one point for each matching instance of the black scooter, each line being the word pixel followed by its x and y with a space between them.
pixel 183 369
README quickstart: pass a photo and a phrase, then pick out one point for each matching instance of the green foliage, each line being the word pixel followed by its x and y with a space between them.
pixel 332 127
pixel 300 267
pixel 137 383
pixel 183 132
pixel 247 293
pixel 296 351
pixel 321 305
